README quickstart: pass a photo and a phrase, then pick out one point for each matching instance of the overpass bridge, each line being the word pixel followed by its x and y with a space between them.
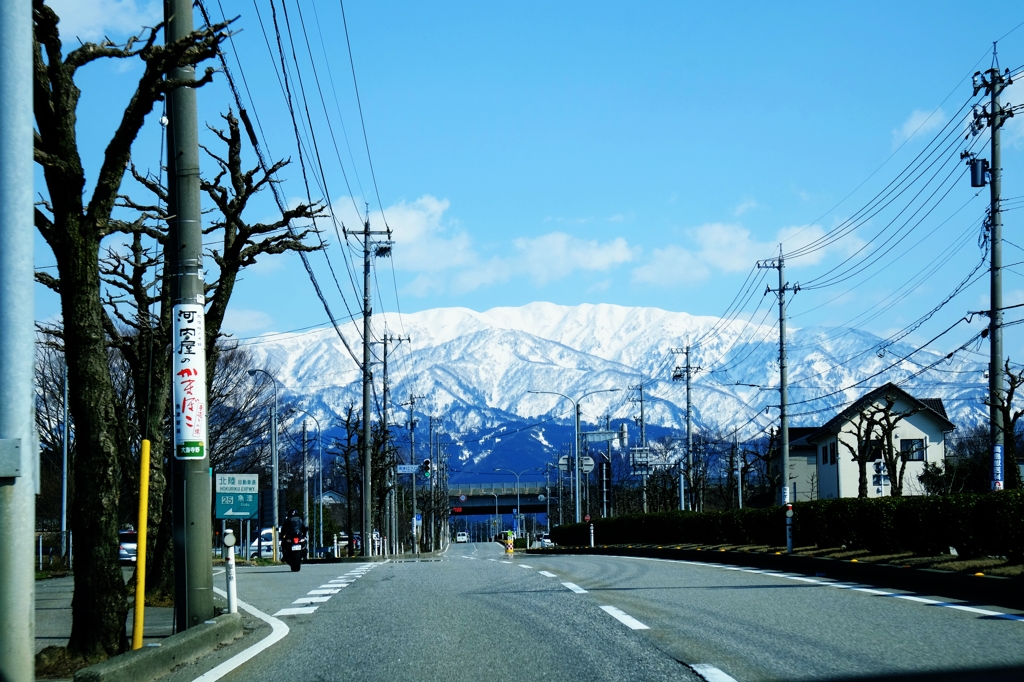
pixel 482 498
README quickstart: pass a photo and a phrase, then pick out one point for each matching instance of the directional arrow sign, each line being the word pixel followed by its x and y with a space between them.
pixel 240 506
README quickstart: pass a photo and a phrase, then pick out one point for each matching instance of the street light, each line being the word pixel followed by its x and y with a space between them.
pixel 576 440
pixel 518 505
pixel 273 456
pixel 320 472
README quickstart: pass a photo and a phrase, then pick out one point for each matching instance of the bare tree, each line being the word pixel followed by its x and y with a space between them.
pixel 865 447
pixel 889 418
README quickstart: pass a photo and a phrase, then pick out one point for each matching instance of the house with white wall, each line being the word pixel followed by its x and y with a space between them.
pixel 919 437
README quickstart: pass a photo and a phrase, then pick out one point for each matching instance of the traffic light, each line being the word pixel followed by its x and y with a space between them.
pixel 426 468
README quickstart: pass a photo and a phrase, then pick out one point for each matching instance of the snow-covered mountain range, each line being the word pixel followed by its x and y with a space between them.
pixel 476 371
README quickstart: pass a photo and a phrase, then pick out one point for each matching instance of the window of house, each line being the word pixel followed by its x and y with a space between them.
pixel 874 450
pixel 832 453
pixel 912 449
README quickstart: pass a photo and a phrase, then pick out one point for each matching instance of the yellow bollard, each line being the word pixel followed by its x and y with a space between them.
pixel 140 552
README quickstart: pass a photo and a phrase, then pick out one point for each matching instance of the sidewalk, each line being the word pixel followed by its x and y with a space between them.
pixel 53 614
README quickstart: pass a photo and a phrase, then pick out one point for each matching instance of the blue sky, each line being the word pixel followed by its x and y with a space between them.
pixel 642 154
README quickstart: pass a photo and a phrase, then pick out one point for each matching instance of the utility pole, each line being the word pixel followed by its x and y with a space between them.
pixel 305 483
pixel 993 83
pixel 681 373
pixel 780 265
pixel 392 500
pixel 193 560
pixel 380 251
pixel 19 473
pixel 412 460
pixel 434 421
pixel 641 452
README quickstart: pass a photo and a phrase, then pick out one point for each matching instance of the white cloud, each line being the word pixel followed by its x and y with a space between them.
pixel 747 204
pixel 240 321
pixel 729 248
pixel 918 123
pixel 670 266
pixel 444 257
pixel 92 20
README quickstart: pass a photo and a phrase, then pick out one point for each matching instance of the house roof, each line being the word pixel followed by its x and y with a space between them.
pixel 798 434
pixel 930 406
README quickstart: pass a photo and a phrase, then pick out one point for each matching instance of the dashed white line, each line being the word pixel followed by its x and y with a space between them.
pixel 547 574
pixel 506 562
pixel 524 566
pixel 296 611
pixel 332 586
pixel 576 588
pixel 310 600
pixel 711 673
pixel 333 591
pixel 623 617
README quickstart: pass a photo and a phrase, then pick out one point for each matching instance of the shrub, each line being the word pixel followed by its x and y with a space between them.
pixel 975 524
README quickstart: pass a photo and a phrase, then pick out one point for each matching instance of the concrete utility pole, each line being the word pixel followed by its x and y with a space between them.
pixel 434 422
pixel 305 483
pixel 993 83
pixel 780 265
pixel 368 379
pixel 193 559
pixel 274 479
pixel 392 511
pixel 643 442
pixel 19 451
pixel 412 460
pixel 687 374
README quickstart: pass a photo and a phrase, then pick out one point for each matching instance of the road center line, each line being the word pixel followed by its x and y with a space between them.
pixel 576 588
pixel 547 574
pixel 711 673
pixel 623 617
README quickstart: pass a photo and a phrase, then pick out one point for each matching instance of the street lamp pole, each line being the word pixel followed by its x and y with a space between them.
pixel 273 455
pixel 576 440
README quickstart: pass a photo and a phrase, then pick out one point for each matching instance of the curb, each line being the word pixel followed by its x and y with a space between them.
pixel 152 662
pixel 994 590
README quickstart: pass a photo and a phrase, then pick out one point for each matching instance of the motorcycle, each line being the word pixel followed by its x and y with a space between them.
pixel 293 548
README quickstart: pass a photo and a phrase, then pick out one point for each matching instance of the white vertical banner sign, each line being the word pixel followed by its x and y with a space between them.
pixel 189 350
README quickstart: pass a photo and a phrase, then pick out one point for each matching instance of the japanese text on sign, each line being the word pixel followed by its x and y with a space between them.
pixel 189 377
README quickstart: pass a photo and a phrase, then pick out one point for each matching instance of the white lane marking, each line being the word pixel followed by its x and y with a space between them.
pixel 333 586
pixel 855 587
pixel 524 566
pixel 804 580
pixel 711 673
pixel 334 591
pixel 548 574
pixel 506 562
pixel 310 600
pixel 492 559
pixel 297 611
pixel 278 630
pixel 624 618
pixel 576 588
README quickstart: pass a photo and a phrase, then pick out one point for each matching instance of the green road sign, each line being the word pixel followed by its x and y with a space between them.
pixel 236 496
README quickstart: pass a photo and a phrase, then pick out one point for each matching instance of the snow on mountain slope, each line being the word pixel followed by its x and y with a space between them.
pixel 477 369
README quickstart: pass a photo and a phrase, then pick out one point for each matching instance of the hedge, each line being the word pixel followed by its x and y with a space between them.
pixel 974 524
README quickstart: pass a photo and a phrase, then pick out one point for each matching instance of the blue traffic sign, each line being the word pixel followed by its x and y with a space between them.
pixel 237 506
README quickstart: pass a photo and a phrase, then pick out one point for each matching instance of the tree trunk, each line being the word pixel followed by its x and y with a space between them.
pixel 100 601
pixel 862 482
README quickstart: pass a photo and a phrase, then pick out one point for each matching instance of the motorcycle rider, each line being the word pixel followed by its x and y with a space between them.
pixel 293 525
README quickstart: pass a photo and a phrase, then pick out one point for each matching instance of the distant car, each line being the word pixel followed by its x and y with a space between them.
pixel 127 546
pixel 267 536
pixel 545 541
pixel 462 536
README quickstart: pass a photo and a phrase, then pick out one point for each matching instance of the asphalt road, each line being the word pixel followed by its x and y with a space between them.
pixel 475 615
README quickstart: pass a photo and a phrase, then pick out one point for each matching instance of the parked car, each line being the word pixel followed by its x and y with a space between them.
pixel 462 536
pixel 127 546
pixel 545 541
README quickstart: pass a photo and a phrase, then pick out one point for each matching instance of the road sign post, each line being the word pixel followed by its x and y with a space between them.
pixel 236 496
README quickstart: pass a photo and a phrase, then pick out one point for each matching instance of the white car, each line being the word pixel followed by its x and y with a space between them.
pixel 267 535
pixel 462 536
pixel 545 541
